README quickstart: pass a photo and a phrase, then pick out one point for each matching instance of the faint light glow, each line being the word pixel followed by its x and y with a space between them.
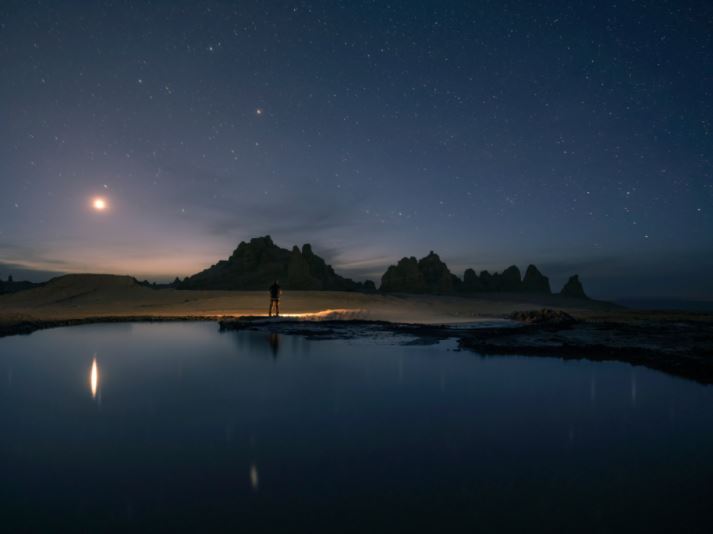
pixel 99 204
pixel 94 378
pixel 258 111
pixel 327 315
pixel 254 481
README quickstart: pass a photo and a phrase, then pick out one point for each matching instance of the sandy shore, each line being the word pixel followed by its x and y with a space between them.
pixel 82 297
pixel 678 343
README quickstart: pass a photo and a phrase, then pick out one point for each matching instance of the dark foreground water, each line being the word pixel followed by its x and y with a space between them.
pixel 166 427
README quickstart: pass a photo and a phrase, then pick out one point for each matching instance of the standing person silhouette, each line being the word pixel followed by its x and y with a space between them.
pixel 275 293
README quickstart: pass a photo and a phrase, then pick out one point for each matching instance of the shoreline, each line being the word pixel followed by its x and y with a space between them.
pixel 29 326
pixel 683 348
pixel 679 343
pixel 580 340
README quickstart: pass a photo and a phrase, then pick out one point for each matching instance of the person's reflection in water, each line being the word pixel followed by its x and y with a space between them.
pixel 274 341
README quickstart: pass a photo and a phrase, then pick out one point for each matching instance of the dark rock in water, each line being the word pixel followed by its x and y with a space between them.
pixel 535 282
pixel 256 264
pixel 544 316
pixel 573 288
pixel 403 277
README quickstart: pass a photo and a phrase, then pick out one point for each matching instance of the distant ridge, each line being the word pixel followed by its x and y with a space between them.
pixel 254 265
pixel 431 275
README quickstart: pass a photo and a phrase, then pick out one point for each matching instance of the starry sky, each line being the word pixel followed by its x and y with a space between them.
pixel 577 135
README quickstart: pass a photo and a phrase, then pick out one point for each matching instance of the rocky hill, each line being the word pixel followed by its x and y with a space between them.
pixel 431 275
pixel 427 275
pixel 257 263
pixel 573 288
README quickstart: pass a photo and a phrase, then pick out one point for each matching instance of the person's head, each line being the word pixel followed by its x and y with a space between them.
pixel 276 282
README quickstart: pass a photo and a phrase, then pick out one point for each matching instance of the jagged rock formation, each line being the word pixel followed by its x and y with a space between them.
pixel 471 282
pixel 573 288
pixel 254 265
pixel 535 282
pixel 431 275
pixel 507 281
pixel 436 275
pixel 511 280
pixel 369 286
pixel 427 275
pixel 403 277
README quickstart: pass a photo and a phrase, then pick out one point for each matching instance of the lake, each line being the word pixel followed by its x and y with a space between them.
pixel 176 426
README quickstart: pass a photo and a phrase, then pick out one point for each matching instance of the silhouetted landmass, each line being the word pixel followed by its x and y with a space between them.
pixel 573 288
pixel 10 286
pixel 256 264
pixel 427 275
pixel 431 275
pixel 535 282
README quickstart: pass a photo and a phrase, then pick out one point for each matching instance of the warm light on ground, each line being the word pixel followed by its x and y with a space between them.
pixel 332 314
pixel 99 204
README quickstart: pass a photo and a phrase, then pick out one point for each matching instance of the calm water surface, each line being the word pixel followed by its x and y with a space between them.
pixel 166 427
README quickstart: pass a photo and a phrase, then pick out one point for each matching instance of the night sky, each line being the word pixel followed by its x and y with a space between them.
pixel 574 135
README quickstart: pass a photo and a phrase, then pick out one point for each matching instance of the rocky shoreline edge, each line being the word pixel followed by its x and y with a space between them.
pixel 679 348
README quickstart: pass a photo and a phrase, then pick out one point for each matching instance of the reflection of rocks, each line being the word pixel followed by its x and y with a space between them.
pixel 573 288
pixel 682 348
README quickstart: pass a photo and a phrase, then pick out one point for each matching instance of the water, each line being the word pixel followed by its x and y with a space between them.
pixel 167 427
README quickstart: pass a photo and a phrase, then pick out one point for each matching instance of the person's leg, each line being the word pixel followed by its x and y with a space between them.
pixel 277 308
pixel 269 311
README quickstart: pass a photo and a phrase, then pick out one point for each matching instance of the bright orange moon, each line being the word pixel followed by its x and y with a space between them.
pixel 99 204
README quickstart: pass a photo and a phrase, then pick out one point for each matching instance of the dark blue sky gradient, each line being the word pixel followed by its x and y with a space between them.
pixel 574 135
